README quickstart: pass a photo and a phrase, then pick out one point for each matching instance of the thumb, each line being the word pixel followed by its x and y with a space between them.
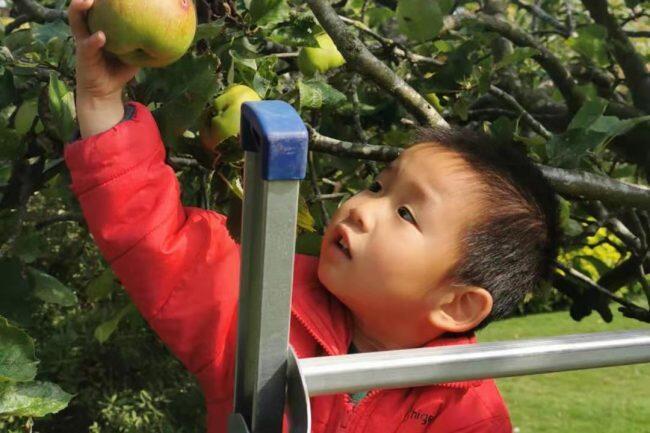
pixel 97 40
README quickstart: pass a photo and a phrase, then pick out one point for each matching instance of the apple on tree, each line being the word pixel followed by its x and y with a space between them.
pixel 225 123
pixel 145 33
pixel 320 59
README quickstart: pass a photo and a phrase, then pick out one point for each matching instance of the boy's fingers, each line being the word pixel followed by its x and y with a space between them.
pixel 77 18
pixel 90 47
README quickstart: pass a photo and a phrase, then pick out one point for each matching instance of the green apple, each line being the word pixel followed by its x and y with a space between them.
pixel 145 33
pixel 320 59
pixel 225 123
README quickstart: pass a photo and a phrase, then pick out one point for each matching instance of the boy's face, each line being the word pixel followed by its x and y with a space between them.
pixel 402 235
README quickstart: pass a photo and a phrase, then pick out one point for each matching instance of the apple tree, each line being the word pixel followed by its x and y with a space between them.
pixel 566 80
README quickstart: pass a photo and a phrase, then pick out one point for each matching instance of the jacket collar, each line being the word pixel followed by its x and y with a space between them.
pixel 330 322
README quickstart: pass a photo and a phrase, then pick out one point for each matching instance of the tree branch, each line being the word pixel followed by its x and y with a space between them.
pixel 32 11
pixel 79 219
pixel 544 16
pixel 632 64
pixel 547 60
pixel 630 308
pixel 572 183
pixel 360 59
pixel 397 48
pixel 638 34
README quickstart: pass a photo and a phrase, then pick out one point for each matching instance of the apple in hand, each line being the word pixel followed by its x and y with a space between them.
pixel 226 122
pixel 145 33
pixel 320 59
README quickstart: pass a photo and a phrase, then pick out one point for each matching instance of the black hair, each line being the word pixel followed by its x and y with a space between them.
pixel 510 247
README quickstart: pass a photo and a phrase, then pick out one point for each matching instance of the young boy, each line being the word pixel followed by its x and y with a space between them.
pixel 450 236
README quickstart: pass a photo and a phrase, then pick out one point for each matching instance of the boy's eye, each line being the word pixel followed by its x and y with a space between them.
pixel 374 186
pixel 406 214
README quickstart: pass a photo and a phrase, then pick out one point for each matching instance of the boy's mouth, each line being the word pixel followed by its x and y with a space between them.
pixel 343 248
pixel 342 242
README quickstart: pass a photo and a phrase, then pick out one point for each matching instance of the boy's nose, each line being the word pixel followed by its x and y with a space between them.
pixel 361 218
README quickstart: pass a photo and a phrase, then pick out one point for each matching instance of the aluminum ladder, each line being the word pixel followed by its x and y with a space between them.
pixel 271 384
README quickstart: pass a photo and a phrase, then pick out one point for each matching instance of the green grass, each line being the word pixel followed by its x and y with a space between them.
pixel 605 400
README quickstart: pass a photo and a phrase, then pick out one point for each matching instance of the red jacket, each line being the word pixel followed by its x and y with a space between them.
pixel 181 269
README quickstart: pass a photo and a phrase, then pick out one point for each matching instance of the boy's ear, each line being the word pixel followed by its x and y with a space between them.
pixel 461 309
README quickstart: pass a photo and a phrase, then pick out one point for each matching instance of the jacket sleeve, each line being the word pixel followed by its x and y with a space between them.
pixel 179 264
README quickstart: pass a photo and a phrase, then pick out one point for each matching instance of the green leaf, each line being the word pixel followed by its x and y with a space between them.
pixel 16 299
pixel 52 36
pixel 102 286
pixel 503 129
pixel 377 16
pixel 590 43
pixel 299 32
pixel 7 89
pixel 461 108
pixel 309 243
pixel 11 145
pixel 567 150
pixel 235 186
pixel 518 55
pixel 62 107
pixel 35 399
pixel 25 116
pixel 421 20
pixel 30 245
pixel 104 331
pixel 182 100
pixel 590 111
pixel 305 220
pixel 209 30
pixel 589 132
pixel 266 12
pixel 17 358
pixel 49 289
pixel 459 65
pixel 316 93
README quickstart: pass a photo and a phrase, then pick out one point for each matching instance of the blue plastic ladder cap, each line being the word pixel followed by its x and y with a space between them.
pixel 275 128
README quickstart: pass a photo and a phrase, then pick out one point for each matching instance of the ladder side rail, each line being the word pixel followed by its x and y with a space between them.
pixel 275 143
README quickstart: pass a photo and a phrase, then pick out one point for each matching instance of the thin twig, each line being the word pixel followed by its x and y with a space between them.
pixel 316 188
pixel 544 16
pixel 570 23
pixel 530 120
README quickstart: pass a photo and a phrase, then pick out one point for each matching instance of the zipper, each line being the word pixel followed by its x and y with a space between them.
pixel 352 410
pixel 355 411
pixel 313 334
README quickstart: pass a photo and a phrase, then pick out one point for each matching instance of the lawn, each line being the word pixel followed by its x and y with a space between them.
pixel 605 400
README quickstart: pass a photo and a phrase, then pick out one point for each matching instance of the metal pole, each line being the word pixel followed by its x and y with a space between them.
pixel 427 366
pixel 275 143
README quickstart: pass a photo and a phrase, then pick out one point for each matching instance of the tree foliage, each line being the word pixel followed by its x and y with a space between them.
pixel 565 80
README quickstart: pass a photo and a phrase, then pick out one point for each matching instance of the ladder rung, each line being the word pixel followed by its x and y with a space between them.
pixel 427 366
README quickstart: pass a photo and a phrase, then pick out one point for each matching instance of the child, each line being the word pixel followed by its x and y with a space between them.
pixel 452 235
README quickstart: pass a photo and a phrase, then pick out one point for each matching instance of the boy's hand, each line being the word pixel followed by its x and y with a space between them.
pixel 100 77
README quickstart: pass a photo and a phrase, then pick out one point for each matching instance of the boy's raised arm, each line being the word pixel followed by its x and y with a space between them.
pixel 179 265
